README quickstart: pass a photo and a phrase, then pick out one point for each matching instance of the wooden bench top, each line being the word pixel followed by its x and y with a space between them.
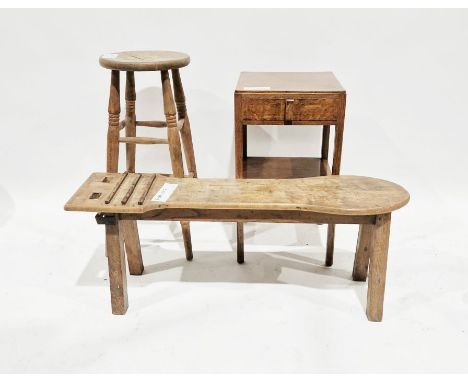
pixel 144 60
pixel 339 195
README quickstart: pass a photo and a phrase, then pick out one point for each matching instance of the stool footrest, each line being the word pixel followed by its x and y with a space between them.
pixel 144 140
pixel 152 123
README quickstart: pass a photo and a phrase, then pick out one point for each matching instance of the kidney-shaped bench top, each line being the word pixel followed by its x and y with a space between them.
pixel 336 194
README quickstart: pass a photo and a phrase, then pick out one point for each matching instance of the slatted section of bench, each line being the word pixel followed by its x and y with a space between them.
pixel 337 195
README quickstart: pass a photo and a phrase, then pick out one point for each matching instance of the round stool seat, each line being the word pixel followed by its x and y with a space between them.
pixel 144 60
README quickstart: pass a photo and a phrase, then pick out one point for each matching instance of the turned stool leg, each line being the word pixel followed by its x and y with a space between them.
pixel 117 271
pixel 130 120
pixel 114 128
pixel 363 250
pixel 378 267
pixel 185 132
pixel 175 149
pixel 130 227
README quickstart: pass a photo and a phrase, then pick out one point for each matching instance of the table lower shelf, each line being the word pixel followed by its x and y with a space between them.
pixel 284 167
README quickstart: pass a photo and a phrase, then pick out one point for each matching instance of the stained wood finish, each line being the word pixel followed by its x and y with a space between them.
pixel 141 61
pixel 171 120
pixel 289 82
pixel 152 123
pixel 283 167
pixel 378 267
pixel 131 141
pixel 175 149
pixel 338 195
pixel 247 216
pixel 363 250
pixel 240 142
pixel 330 245
pixel 289 99
pixel 331 199
pixel 130 120
pixel 311 109
pixel 325 141
pixel 144 60
pixel 240 242
pixel 263 109
pixel 185 131
pixel 187 238
pixel 129 230
pixel 113 130
pixel 117 273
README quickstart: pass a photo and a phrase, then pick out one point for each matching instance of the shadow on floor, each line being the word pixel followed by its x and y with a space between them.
pixel 304 269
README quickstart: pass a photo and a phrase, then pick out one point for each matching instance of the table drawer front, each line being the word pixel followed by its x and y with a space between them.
pixel 263 109
pixel 312 109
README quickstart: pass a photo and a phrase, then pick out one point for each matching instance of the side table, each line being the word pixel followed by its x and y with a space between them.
pixel 280 98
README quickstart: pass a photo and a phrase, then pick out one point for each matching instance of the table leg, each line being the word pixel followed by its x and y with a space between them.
pixel 240 242
pixel 378 267
pixel 117 271
pixel 240 148
pixel 239 138
pixel 325 141
pixel 339 127
pixel 330 245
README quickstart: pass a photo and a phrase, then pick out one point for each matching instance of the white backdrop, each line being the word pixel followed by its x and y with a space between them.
pixel 405 72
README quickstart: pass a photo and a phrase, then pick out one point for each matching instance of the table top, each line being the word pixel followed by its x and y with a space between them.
pixel 314 82
pixel 340 195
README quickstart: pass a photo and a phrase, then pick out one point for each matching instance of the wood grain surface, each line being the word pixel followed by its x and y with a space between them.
pixel 144 60
pixel 340 195
pixel 288 82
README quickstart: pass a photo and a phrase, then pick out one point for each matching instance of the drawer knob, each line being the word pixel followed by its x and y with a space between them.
pixel 290 100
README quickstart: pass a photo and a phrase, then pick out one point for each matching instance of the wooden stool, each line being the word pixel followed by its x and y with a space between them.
pixel 130 62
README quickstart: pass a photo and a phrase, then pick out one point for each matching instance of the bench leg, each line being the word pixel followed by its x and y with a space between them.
pixel 363 249
pixel 240 242
pixel 187 240
pixel 131 238
pixel 330 245
pixel 378 267
pixel 117 271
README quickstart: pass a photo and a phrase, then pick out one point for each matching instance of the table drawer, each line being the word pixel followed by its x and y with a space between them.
pixel 312 109
pixel 263 109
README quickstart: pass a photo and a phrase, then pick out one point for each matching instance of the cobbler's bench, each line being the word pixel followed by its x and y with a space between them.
pixel 365 201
